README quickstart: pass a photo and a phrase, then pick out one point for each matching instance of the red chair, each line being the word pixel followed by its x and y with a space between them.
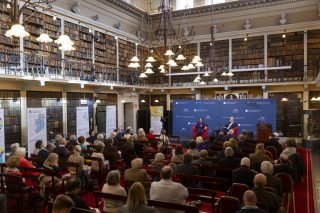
pixel 205 133
pixel 287 188
pixel 273 151
pixel 238 189
pixel 229 204
pixel 235 132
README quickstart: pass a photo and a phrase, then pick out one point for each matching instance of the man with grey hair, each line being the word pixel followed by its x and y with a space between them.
pixel 244 174
pixel 127 133
pixel 168 191
pixel 229 159
pixel 73 140
pixel 136 173
pixel 61 150
pixel 272 181
pixel 250 203
pixel 285 167
pixel 202 160
pixel 269 199
pixel 57 139
pixel 43 153
pixel 112 186
pixel 158 162
pixel 99 141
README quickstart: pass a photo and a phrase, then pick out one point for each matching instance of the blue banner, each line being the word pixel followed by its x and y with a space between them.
pixel 216 113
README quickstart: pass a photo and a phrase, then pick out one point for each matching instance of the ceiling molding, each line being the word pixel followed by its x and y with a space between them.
pixel 126 7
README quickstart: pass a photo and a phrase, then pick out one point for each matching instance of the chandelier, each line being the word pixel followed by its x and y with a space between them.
pixel 15 9
pixel 164 42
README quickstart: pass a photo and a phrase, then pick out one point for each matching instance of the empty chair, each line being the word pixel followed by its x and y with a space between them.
pixel 229 204
pixel 238 189
pixel 273 151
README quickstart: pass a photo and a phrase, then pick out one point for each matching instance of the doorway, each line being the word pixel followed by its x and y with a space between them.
pixel 128 115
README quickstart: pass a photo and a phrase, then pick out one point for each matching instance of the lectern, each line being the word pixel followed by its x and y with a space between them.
pixel 264 130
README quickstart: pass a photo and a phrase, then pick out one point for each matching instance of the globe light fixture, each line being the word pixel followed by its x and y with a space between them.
pixel 169 53
pixel 150 59
pixel 180 57
pixel 191 66
pixel 185 67
pixel 148 65
pixel 149 71
pixel 143 75
pixel 44 38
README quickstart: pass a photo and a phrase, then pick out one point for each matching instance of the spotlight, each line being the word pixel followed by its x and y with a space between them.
pixel 8 6
pixel 90 30
pixel 116 37
pixel 81 86
pixel 54 18
pixel 143 101
pixel 42 83
pixel 111 87
pixel 283 35
pixel 245 39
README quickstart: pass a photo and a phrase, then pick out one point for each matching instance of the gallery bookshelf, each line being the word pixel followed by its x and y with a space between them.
pixel 107 99
pixel 52 102
pixel 10 102
pixel 313 53
pixel 74 101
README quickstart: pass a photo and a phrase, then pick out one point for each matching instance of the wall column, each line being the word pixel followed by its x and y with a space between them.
pixel 230 53
pixel 305 56
pixel 24 122
pixel 265 57
pixel 64 113
pixel 305 98
pixel 94 120
pixel 168 101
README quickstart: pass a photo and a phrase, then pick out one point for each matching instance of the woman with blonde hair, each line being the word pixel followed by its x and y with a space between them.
pixel 137 202
pixel 78 159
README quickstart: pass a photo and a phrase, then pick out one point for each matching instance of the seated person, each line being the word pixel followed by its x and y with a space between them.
pixel 187 168
pixel 229 159
pixel 193 151
pixel 284 166
pixel 61 150
pixel 83 145
pixel 244 174
pixel 62 204
pixel 23 162
pixel 163 142
pixel 201 145
pixel 99 140
pixel 11 167
pixel 43 153
pixel 73 140
pixel 200 127
pixel 231 125
pixel 250 203
pixel 112 186
pixel 75 157
pixel 177 157
pixel 92 137
pixel 257 158
pixel 110 152
pixel 141 136
pixel 127 133
pixel 158 162
pixel 150 135
pixel 136 173
pixel 202 159
pixel 290 147
pixel 38 147
pixel 98 154
pixel 73 188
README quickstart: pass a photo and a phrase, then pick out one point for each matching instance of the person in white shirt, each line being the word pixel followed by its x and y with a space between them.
pixel 167 190
pixel 98 154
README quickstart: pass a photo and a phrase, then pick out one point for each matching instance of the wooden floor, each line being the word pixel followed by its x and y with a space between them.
pixel 316 177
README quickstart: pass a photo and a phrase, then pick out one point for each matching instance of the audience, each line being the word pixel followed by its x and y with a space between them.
pixel 202 159
pixel 92 137
pixel 61 150
pixel 38 147
pixel 158 162
pixel 128 151
pixel 177 157
pixel 73 188
pixel 112 186
pixel 150 134
pixel 73 140
pixel 269 199
pixel 229 159
pixel 273 182
pixel 244 174
pixel 110 152
pixel 163 142
pixel 141 137
pixel 57 139
pixel 127 133
pixel 201 145
pixel 193 151
pixel 3 203
pixel 136 173
pixel 186 167
pixel 78 159
pixel 98 154
pixel 257 158
pixel 137 202
pixel 62 204
pixel 83 145
pixel 99 140
pixel 23 162
pixel 167 190
pixel 250 203
pixel 285 167
pixel 43 153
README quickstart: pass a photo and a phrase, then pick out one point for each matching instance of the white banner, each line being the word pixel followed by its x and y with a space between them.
pixel 111 119
pixel 2 144
pixel 82 122
pixel 37 127
pixel 156 112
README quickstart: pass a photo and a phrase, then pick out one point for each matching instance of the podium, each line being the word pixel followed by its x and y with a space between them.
pixel 264 130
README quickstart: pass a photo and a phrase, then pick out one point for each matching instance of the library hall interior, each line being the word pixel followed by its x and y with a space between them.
pixel 159 106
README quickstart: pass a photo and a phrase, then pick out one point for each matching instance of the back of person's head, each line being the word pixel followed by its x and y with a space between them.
pixel 199 140
pixel 230 132
pixel 77 149
pixel 52 157
pixel 113 177
pixel 73 137
pixel 291 143
pixel 109 140
pixel 260 180
pixel 249 198
pixel 159 158
pixel 14 147
pixel 21 152
pixel 284 159
pixel 136 196
pixel 141 133
pixel 226 144
pixel 38 144
pixel 99 148
pixel 113 134
pixel 166 173
pixel 151 130
pixel 179 150
pixel 260 148
pixel 163 131
pixel 50 147
pixel 73 184
pixel 241 137
pixel 193 145
pixel 245 162
pixel 174 168
pixel 221 134
pixel 63 141
pixel 250 136
pixel 58 137
pixel 62 204
pixel 128 130
pixel 203 154
pixel 100 137
pixel 140 130
pixel 137 163
pixel 228 152
pixel 92 132
pixel 82 139
pixel 233 143
pixel 13 161
pixel 187 158
pixel 266 167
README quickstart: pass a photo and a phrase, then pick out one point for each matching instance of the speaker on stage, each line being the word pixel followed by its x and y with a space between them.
pixel 143 119
pixel 264 130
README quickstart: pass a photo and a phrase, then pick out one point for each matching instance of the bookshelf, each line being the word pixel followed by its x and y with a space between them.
pixel 221 54
pixel 126 52
pixel 105 49
pixel 51 101
pixel 10 102
pixel 107 99
pixel 313 53
pixel 146 104
pixel 286 51
pixel 73 99
pixel 289 113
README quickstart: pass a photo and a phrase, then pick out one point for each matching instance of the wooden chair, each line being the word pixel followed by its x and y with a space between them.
pixel 73 210
pixel 237 190
pixel 205 195
pixel 228 204
pixel 273 151
pixel 99 175
pixel 287 188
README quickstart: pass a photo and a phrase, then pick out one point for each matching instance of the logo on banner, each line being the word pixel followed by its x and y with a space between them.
pixel 235 111
pixel 185 110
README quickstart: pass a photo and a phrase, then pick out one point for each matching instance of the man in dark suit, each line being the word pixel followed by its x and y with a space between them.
pixel 269 199
pixel 250 203
pixel 229 159
pixel 285 167
pixel 187 168
pixel 231 125
pixel 200 126
pixel 244 174
pixel 273 182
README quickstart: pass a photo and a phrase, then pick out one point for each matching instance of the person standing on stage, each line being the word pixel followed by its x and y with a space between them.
pixel 200 126
pixel 232 124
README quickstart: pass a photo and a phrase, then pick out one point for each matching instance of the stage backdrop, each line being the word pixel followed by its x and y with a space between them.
pixel 2 144
pixel 216 113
